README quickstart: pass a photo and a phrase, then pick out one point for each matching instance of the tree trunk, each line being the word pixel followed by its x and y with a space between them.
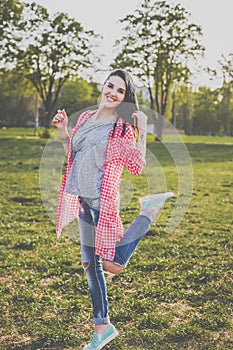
pixel 159 127
pixel 48 110
pixel 36 116
pixel 174 113
pixel 152 106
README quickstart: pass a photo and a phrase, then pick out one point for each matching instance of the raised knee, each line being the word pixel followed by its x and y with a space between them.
pixel 110 266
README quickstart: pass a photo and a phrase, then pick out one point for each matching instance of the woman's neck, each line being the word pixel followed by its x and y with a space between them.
pixel 105 115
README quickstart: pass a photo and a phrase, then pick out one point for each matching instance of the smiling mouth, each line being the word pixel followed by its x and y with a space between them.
pixel 110 99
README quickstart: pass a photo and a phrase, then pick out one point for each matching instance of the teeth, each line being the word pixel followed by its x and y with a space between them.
pixel 110 99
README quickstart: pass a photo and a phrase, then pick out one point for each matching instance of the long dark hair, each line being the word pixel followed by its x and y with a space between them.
pixel 130 104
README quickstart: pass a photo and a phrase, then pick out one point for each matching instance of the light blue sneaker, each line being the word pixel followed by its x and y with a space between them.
pixel 100 340
pixel 155 200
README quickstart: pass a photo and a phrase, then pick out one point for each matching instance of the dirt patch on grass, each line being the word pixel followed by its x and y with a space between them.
pixel 179 312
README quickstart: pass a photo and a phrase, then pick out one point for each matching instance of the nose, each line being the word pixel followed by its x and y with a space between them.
pixel 113 92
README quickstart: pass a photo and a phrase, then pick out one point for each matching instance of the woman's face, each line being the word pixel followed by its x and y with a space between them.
pixel 113 92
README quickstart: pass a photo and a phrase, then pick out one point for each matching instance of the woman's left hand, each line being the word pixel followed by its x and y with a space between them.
pixel 140 120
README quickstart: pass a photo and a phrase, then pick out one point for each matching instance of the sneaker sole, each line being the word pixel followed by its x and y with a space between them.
pixel 160 195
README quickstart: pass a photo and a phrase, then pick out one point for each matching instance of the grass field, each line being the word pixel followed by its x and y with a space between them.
pixel 176 293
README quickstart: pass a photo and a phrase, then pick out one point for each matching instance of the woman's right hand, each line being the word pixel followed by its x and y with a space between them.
pixel 60 120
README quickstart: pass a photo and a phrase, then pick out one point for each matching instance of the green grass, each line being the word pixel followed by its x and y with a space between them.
pixel 176 293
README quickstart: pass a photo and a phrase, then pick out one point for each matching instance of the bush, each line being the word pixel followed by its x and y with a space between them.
pixel 45 133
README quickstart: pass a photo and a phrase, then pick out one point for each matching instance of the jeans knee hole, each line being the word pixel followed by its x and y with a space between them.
pixel 86 265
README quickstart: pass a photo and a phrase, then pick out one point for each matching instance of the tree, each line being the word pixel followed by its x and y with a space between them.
pixel 205 111
pixel 16 100
pixel 77 94
pixel 10 15
pixel 227 68
pixel 52 48
pixel 184 99
pixel 158 42
pixel 225 112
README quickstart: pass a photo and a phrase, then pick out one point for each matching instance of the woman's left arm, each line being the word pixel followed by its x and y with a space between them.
pixel 142 127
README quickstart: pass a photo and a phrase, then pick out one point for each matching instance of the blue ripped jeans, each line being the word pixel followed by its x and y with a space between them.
pixel 88 219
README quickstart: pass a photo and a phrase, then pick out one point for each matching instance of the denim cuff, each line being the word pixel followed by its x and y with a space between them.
pixel 148 214
pixel 100 320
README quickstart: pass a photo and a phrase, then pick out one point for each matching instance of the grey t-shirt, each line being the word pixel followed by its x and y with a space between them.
pixel 88 155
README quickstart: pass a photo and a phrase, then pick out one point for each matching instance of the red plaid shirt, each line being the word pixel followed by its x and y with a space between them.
pixel 120 152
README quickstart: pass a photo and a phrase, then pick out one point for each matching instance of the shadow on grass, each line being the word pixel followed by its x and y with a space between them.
pixel 22 199
pixel 199 152
pixel 210 152
pixel 39 344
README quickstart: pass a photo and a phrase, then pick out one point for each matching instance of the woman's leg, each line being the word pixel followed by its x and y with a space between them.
pixel 88 219
pixel 150 206
pixel 128 244
pixel 104 330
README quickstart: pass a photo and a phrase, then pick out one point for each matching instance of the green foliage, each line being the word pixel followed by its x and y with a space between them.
pixel 49 49
pixel 176 292
pixel 10 12
pixel 159 39
pixel 45 133
pixel 226 64
pixel 225 108
pixel 10 15
pixel 184 101
pixel 205 111
pixel 17 98
pixel 77 94
pixel 17 105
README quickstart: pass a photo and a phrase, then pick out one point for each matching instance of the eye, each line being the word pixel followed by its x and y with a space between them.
pixel 121 91
pixel 110 85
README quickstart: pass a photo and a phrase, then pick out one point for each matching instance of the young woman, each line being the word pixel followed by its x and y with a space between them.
pixel 101 144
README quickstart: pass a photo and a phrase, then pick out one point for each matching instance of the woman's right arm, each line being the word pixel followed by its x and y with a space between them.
pixel 61 121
